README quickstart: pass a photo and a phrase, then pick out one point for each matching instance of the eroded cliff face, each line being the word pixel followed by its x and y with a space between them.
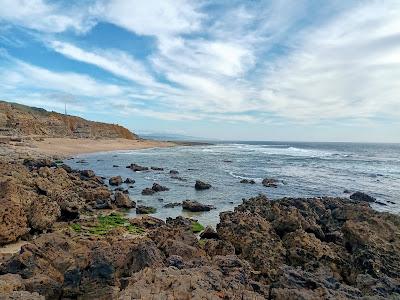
pixel 16 119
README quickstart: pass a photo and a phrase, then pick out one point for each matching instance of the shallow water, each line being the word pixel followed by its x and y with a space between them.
pixel 304 169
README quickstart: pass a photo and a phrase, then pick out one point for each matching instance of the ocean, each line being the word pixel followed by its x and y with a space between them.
pixel 303 170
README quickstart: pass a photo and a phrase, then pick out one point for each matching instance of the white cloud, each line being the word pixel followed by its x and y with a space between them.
pixel 45 17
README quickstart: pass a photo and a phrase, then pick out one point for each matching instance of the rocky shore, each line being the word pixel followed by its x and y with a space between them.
pixel 68 238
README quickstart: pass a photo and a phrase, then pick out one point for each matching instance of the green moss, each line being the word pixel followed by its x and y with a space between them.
pixel 76 227
pixel 202 243
pixel 197 227
pixel 109 222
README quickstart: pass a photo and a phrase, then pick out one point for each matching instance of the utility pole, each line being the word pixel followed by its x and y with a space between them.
pixel 65 105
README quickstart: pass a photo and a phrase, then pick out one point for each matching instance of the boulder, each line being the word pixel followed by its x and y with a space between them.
pixel 200 185
pixel 270 182
pixel 209 233
pixel 129 181
pixel 174 172
pixel 116 180
pixel 249 181
pixel 88 173
pixel 159 188
pixel 360 196
pixel 137 168
pixel 148 191
pixel 196 206
pixel 123 201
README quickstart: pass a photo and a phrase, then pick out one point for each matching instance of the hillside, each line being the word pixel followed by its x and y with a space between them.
pixel 22 120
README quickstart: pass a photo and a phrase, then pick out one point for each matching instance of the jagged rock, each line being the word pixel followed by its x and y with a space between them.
pixel 43 213
pixel 137 168
pixel 360 196
pixel 209 233
pixel 249 181
pixel 67 168
pixel 88 173
pixel 141 209
pixel 129 181
pixel 147 222
pixel 116 180
pixel 196 206
pixel 159 188
pixel 270 182
pixel 122 200
pixel 148 191
pixel 200 185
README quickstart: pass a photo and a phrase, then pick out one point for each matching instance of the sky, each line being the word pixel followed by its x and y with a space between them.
pixel 305 70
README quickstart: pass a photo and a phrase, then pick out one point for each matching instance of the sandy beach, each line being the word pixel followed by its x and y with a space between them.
pixel 70 146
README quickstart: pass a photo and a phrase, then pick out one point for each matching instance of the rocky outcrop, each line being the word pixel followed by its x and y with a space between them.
pixel 248 181
pixel 17 119
pixel 196 206
pixel 142 209
pixel 200 185
pixel 159 188
pixel 317 248
pixel 122 200
pixel 360 196
pixel 137 168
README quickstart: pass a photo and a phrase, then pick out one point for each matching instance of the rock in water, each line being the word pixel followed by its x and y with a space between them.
pixel 249 181
pixel 147 191
pixel 360 196
pixel 157 169
pixel 196 206
pixel 137 168
pixel 174 172
pixel 159 188
pixel 122 200
pixel 270 182
pixel 200 185
pixel 88 173
pixel 117 180
pixel 129 181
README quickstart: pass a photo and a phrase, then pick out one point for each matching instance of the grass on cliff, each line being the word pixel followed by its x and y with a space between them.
pixel 106 223
pixel 197 227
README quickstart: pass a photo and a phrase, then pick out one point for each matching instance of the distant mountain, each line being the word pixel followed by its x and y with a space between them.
pixel 172 137
pixel 18 119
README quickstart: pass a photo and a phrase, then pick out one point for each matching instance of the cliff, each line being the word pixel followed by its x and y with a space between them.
pixel 21 120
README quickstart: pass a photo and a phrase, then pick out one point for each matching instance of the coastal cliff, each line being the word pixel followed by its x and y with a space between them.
pixel 21 120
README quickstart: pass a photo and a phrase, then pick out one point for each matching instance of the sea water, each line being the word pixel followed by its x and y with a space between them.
pixel 303 170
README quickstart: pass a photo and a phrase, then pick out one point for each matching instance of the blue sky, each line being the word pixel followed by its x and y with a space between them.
pixel 250 70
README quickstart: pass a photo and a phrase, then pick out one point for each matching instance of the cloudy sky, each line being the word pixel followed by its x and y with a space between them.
pixel 252 70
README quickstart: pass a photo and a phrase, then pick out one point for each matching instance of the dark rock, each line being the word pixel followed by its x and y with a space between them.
pixel 115 166
pixel 122 200
pixel 137 168
pixel 174 172
pixel 249 181
pixel 196 206
pixel 178 178
pixel 172 205
pixel 200 185
pixel 157 169
pixel 270 182
pixel 129 181
pixel 360 196
pixel 148 191
pixel 67 168
pixel 347 192
pixel 380 203
pixel 175 261
pixel 159 188
pixel 88 173
pixel 116 180
pixel 227 161
pixel 141 209
pixel 209 233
